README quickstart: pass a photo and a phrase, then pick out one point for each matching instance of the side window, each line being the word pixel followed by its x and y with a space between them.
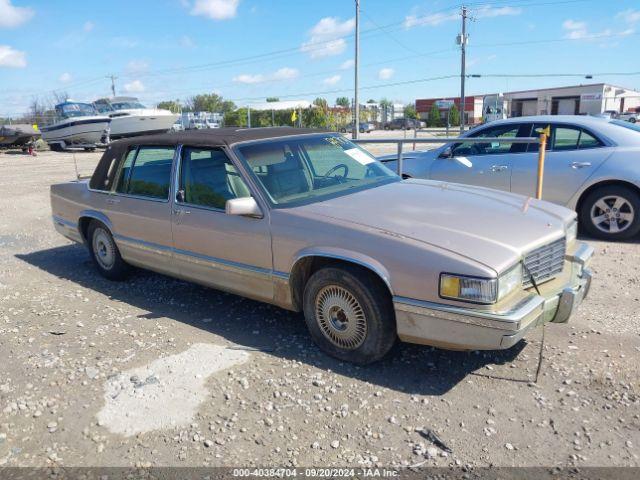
pixel 565 138
pixel 490 148
pixel 123 178
pixel 535 132
pixel 150 174
pixel 588 141
pixel 209 179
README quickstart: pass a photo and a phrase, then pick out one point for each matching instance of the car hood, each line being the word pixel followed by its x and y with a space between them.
pixel 488 226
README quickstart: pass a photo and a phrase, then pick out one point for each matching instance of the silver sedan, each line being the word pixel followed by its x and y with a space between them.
pixel 592 166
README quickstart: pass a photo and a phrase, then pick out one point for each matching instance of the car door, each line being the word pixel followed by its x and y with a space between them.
pixel 228 252
pixel 573 154
pixel 139 207
pixel 483 164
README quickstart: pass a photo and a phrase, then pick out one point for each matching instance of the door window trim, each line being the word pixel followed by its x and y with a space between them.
pixel 551 141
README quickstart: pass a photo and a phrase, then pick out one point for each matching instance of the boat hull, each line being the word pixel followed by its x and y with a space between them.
pixel 83 131
pixel 135 123
pixel 17 135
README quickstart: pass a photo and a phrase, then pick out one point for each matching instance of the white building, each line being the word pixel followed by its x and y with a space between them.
pixel 590 99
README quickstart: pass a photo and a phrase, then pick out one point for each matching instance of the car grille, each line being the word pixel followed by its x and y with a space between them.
pixel 544 263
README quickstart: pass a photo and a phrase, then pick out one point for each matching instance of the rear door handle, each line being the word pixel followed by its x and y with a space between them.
pixel 499 168
pixel 113 201
pixel 577 165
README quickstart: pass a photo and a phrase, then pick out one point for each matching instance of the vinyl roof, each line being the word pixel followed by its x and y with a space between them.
pixel 214 136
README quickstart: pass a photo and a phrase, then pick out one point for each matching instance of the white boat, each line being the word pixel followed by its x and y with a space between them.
pixel 130 118
pixel 76 125
pixel 18 135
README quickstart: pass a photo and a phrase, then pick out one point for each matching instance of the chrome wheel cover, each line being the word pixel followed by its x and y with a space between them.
pixel 612 214
pixel 103 248
pixel 341 317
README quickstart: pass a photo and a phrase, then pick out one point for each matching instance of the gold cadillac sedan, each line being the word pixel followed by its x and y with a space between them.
pixel 311 222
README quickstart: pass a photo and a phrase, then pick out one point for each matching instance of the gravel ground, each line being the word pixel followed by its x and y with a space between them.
pixel 86 363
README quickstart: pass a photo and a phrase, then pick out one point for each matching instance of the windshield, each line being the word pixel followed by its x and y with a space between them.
pixel 631 126
pixel 103 107
pixel 127 105
pixel 295 170
pixel 76 110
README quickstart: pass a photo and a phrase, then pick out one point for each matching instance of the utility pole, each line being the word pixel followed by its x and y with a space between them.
pixel 355 131
pixel 113 84
pixel 462 40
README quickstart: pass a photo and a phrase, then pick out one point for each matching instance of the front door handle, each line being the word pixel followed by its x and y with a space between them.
pixel 499 168
pixel 113 201
pixel 577 165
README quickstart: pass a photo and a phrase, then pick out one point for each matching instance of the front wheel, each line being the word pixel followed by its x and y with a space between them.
pixel 611 212
pixel 105 253
pixel 349 313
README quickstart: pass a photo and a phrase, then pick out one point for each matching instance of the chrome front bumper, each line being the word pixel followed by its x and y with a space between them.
pixel 461 328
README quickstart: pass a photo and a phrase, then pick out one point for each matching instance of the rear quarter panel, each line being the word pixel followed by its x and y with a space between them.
pixel 70 201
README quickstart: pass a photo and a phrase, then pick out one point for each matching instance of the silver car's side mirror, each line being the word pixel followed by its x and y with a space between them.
pixel 245 206
pixel 446 153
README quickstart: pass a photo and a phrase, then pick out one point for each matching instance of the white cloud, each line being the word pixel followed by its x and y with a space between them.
pixel 576 30
pixel 124 42
pixel 284 73
pixel 11 16
pixel 88 26
pixel 630 16
pixel 325 38
pixel 135 86
pixel 332 80
pixel 137 66
pixel 385 73
pixel 65 77
pixel 415 20
pixel 347 64
pixel 12 58
pixel 216 9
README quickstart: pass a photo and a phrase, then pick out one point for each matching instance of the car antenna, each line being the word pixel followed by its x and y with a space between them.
pixel 75 164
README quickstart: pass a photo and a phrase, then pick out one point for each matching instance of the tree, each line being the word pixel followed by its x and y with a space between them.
pixel 434 116
pixel 210 103
pixel 410 112
pixel 172 105
pixel 314 117
pixel 385 105
pixel 343 102
pixel 236 118
pixel 454 115
pixel 272 99
pixel 322 103
pixel 371 100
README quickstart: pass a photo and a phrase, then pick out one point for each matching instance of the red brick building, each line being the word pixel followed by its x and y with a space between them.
pixel 472 107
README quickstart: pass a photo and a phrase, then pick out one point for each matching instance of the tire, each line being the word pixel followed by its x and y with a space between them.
pixel 105 254
pixel 349 314
pixel 90 149
pixel 621 202
pixel 55 147
pixel 632 120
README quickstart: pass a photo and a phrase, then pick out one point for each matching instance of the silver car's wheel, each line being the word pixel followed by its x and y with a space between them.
pixel 105 253
pixel 341 317
pixel 103 248
pixel 612 214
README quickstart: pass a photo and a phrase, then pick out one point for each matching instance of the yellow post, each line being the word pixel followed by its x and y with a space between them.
pixel 544 134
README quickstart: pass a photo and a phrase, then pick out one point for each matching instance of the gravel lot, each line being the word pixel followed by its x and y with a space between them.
pixel 88 365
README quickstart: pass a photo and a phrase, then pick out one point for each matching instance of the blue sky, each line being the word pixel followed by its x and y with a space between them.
pixel 247 50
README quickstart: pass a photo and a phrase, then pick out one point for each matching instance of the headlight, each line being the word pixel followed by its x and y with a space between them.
pixel 572 231
pixel 478 289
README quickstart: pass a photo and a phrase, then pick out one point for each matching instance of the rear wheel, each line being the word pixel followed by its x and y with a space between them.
pixel 349 313
pixel 611 212
pixel 55 147
pixel 105 253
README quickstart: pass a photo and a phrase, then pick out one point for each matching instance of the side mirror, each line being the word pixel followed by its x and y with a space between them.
pixel 446 153
pixel 245 206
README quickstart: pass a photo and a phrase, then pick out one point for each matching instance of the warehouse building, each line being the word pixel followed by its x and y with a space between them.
pixel 592 99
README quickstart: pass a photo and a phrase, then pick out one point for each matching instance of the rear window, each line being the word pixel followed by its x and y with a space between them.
pixel 146 172
pixel 628 125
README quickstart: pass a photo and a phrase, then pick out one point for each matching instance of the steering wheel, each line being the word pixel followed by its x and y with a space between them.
pixel 337 167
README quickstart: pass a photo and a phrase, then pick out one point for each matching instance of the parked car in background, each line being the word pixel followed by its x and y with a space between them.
pixel 364 127
pixel 311 222
pixel 402 124
pixel 592 166
pixel 630 116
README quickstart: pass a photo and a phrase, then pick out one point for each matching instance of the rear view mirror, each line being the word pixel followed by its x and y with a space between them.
pixel 245 206
pixel 446 153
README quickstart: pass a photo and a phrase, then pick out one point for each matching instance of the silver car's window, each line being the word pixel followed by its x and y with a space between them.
pixel 566 138
pixel 147 173
pixel 209 179
pixel 492 148
pixel 298 170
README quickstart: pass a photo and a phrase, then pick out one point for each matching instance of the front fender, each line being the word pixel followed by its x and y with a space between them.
pixel 345 255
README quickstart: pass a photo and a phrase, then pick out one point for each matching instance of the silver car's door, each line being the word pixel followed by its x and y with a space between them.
pixel 139 208
pixel 228 252
pixel 483 164
pixel 573 154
